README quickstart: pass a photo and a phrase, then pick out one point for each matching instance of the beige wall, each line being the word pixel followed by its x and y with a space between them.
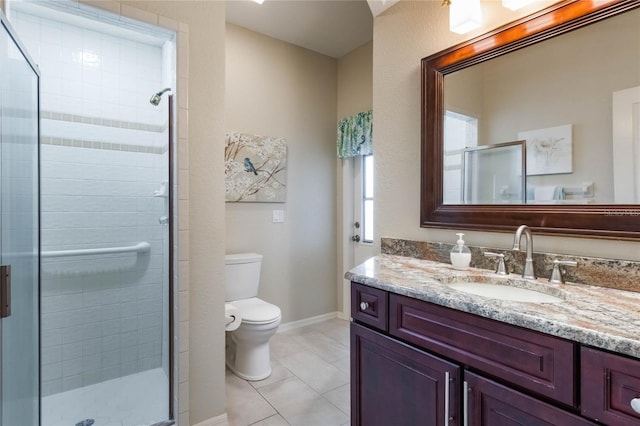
pixel 355 81
pixel 407 32
pixel 355 94
pixel 278 89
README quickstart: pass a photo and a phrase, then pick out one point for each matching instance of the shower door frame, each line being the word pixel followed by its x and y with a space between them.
pixel 171 258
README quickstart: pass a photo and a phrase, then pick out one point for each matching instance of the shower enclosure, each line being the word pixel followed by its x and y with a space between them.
pixel 105 213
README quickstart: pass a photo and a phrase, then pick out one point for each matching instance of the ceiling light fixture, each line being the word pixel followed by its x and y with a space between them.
pixel 259 1
pixel 464 15
pixel 516 4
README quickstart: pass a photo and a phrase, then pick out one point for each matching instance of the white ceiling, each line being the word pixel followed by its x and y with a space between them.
pixel 331 27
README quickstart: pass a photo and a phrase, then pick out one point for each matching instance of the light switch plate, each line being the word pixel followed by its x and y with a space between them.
pixel 278 216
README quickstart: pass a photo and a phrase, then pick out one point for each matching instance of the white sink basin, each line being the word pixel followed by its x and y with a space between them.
pixel 504 292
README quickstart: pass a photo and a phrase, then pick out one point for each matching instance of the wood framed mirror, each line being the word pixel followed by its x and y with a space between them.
pixel 588 218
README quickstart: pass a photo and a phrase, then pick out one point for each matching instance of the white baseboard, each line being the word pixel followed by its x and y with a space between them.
pixel 307 321
pixel 214 421
pixel 343 316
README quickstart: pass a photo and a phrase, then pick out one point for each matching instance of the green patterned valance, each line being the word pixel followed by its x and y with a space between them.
pixel 355 135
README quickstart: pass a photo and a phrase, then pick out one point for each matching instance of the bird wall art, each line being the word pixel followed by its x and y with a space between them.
pixel 255 168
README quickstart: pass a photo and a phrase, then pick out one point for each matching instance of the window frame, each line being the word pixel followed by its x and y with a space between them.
pixel 364 199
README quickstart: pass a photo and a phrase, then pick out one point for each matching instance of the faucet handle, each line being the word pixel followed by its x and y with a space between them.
pixel 556 273
pixel 501 269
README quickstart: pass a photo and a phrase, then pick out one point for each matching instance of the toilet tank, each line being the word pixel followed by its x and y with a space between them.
pixel 242 275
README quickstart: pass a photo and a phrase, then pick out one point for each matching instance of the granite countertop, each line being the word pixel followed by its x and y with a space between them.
pixel 596 316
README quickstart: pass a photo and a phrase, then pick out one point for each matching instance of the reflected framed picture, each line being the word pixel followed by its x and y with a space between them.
pixel 549 151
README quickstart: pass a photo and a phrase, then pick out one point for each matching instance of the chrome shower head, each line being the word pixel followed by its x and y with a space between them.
pixel 155 99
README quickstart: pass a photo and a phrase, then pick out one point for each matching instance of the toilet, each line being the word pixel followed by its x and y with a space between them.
pixel 247 347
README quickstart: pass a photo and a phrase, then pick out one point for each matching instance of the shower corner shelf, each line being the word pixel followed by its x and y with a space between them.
pixel 163 191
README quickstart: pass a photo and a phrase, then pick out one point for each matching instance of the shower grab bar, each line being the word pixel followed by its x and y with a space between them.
pixel 138 248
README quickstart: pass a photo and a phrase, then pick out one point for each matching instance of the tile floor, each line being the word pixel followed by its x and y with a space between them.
pixel 309 384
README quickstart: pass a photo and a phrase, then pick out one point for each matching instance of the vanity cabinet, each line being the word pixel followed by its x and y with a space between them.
pixel 490 404
pixel 393 383
pixel 430 365
pixel 534 361
pixel 610 387
pixel 369 306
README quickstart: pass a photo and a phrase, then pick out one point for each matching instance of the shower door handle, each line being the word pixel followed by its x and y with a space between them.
pixel 5 291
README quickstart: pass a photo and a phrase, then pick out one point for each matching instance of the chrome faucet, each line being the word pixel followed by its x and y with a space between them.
pixel 528 271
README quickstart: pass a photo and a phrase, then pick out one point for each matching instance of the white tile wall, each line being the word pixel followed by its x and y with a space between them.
pixel 93 74
pixel 102 316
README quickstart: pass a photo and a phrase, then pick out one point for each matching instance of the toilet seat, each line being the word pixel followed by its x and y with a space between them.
pixel 257 311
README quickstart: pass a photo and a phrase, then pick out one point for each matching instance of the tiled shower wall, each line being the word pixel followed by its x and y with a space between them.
pixel 104 147
pixel 101 314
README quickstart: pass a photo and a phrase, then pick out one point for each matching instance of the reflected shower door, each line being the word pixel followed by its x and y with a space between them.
pixel 19 232
pixel 494 174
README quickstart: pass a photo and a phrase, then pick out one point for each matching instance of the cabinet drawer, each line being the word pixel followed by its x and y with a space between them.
pixel 369 305
pixel 540 363
pixel 609 384
pixel 490 403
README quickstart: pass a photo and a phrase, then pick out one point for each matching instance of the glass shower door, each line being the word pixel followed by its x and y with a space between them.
pixel 19 233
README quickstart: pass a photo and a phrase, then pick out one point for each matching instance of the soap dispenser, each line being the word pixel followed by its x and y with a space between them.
pixel 460 254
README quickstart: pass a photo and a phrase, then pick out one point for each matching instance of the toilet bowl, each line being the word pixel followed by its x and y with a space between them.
pixel 247 348
pixel 247 351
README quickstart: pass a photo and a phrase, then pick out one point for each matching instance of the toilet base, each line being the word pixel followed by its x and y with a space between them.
pixel 246 377
pixel 247 351
pixel 248 362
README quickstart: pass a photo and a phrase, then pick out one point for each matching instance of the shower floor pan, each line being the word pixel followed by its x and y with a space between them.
pixel 135 400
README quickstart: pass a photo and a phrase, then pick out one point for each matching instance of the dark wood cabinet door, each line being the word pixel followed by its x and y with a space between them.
pixel 610 387
pixel 492 404
pixel 395 384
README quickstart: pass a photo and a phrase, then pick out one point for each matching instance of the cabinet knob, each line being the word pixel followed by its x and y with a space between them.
pixel 635 404
pixel 364 306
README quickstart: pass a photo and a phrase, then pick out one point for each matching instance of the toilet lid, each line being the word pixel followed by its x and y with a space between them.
pixel 257 311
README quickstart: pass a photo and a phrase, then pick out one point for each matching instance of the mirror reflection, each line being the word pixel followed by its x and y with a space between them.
pixel 493 173
pixel 574 99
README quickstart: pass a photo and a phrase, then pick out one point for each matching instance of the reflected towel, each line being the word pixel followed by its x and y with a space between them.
pixel 548 192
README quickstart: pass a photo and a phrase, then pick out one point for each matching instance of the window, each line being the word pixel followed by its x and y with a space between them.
pixel 367 198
